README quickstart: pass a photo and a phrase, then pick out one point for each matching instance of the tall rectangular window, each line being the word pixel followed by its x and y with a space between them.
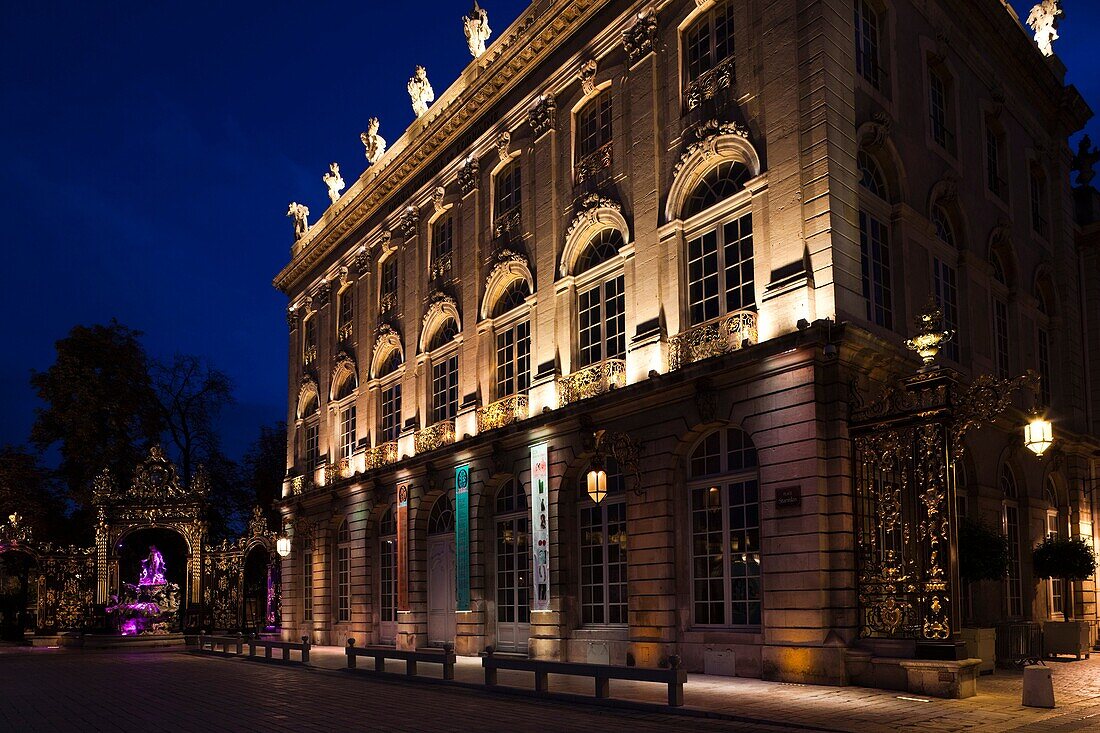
pixel 1038 204
pixel 1043 359
pixel 709 41
pixel 391 413
pixel 994 161
pixel 513 360
pixel 946 282
pixel 347 431
pixel 594 126
pixel 874 246
pixel 1013 581
pixel 603 563
pixel 307 586
pixel 309 340
pixel 720 263
pixel 1000 337
pixel 346 316
pixel 343 575
pixel 313 446
pixel 388 576
pixel 442 246
pixel 388 286
pixel 867 43
pixel 445 389
pixel 602 311
pixel 704 303
pixel 508 192
pixel 937 107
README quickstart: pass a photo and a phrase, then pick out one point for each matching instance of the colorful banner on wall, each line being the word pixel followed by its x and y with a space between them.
pixel 402 547
pixel 540 527
pixel 462 538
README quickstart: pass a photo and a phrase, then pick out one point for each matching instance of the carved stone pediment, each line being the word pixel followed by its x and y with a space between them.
pixel 589 208
pixel 706 139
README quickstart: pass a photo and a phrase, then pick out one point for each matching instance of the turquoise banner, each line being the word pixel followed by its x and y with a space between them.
pixel 462 538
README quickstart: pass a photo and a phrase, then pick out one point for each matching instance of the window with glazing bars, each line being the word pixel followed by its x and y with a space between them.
pixel 508 190
pixel 309 338
pixel 594 126
pixel 445 389
pixel 313 445
pixel 946 281
pixel 513 359
pixel 721 261
pixel 994 152
pixel 603 554
pixel 937 108
pixel 387 550
pixel 347 309
pixel 343 573
pixel 389 277
pixel 391 413
pixel 307 586
pixel 347 431
pixel 874 250
pixel 1000 337
pixel 709 41
pixel 867 43
pixel 602 311
pixel 1043 359
pixel 1038 203
pixel 442 244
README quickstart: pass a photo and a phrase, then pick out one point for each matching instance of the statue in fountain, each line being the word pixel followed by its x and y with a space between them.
pixel 152 568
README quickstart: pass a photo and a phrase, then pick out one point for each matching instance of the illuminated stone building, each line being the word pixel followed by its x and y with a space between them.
pixel 678 241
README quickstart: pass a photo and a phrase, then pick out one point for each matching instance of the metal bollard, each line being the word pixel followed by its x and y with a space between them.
pixel 305 650
pixel 350 653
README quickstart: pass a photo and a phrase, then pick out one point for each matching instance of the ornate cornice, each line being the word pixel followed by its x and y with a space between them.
pixel 530 40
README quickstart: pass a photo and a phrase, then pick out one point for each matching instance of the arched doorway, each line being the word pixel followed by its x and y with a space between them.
pixel 441 572
pixel 513 568
pixel 18 594
pixel 257 595
pixel 135 546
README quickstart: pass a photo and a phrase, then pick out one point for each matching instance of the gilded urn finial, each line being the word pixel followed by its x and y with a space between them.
pixel 930 336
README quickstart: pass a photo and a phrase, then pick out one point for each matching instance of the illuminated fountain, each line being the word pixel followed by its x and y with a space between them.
pixel 151 606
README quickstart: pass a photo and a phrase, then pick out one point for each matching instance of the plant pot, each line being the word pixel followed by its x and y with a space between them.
pixel 981 643
pixel 1066 637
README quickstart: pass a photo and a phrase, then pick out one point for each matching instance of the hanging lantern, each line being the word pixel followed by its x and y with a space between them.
pixel 282 546
pixel 597 484
pixel 1038 434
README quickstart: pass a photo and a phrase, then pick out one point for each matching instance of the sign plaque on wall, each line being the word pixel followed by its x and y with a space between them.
pixel 402 547
pixel 788 496
pixel 540 528
pixel 462 538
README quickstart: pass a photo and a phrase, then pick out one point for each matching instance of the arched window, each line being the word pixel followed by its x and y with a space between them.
pixel 387 572
pixel 723 486
pixel 349 382
pixel 945 232
pixel 874 243
pixel 1010 517
pixel 721 182
pixel 343 572
pixel 387 361
pixel 513 297
pixel 441 520
pixel 601 304
pixel 445 334
pixel 1001 334
pixel 603 543
pixel 513 566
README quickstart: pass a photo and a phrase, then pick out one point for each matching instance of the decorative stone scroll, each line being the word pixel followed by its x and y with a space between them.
pixel 709 84
pixel 409 222
pixel 541 115
pixel 362 261
pixel 587 76
pixel 640 39
pixel 468 174
pixel 322 294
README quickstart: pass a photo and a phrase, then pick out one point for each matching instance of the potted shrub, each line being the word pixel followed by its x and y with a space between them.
pixel 983 555
pixel 1069 559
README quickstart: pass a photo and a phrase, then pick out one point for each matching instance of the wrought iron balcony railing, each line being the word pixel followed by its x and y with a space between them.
pixel 503 412
pixel 309 355
pixel 301 484
pixel 434 436
pixel 345 332
pixel 387 302
pixel 592 380
pixel 382 455
pixel 713 338
pixel 593 164
pixel 508 224
pixel 709 84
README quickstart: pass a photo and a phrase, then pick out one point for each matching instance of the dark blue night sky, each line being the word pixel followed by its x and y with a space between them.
pixel 152 148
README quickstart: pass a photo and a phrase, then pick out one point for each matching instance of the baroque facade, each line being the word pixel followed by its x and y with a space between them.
pixel 680 242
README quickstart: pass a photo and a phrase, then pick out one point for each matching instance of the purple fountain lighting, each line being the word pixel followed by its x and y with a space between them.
pixel 150 606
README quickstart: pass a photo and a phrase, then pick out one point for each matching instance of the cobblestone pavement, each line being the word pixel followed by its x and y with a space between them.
pixel 43 690
pixel 146 692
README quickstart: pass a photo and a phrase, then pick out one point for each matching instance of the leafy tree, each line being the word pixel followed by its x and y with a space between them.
pixel 100 409
pixel 1068 558
pixel 983 552
pixel 191 395
pixel 29 489
pixel 265 468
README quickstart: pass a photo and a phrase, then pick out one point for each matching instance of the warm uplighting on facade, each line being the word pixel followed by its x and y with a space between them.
pixel 597 484
pixel 1038 435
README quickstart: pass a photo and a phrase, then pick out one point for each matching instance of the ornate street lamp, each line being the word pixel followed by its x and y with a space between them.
pixel 1038 434
pixel 282 546
pixel 597 482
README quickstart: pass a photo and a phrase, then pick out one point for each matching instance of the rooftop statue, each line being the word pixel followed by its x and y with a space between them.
pixel 420 92
pixel 374 143
pixel 1083 162
pixel 334 182
pixel 476 25
pixel 1042 20
pixel 300 214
